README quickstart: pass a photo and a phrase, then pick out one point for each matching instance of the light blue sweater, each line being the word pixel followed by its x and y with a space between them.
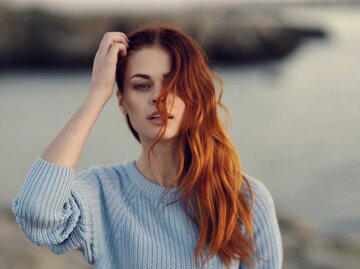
pixel 115 217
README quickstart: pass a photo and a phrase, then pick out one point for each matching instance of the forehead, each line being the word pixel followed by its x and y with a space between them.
pixel 153 61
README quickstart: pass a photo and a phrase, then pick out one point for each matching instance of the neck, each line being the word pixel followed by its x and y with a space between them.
pixel 162 166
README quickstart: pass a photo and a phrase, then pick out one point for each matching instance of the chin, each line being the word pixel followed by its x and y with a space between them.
pixel 166 138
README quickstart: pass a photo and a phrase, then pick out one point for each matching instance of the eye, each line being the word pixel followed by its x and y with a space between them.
pixel 142 86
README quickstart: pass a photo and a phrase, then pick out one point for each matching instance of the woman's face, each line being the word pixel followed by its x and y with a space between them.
pixel 145 75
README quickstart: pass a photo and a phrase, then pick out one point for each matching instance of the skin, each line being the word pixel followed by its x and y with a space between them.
pixel 139 100
pixel 66 147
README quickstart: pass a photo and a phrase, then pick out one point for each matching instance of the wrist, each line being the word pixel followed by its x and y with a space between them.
pixel 97 93
pixel 95 102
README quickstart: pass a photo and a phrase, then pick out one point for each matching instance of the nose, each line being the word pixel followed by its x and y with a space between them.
pixel 155 95
pixel 154 98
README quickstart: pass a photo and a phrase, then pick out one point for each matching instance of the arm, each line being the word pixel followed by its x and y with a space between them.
pixel 65 149
pixel 52 208
pixel 266 230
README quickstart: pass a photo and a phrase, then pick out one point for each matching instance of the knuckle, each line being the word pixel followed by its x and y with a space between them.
pixel 119 46
pixel 107 34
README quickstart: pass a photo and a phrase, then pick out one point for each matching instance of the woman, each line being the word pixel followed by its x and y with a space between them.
pixel 184 203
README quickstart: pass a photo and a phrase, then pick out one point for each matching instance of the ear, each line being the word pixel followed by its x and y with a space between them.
pixel 121 102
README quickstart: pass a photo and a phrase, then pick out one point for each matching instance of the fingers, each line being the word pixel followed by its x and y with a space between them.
pixel 110 39
pixel 115 49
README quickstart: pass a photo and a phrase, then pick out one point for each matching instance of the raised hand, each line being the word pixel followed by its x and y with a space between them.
pixel 65 149
pixel 104 68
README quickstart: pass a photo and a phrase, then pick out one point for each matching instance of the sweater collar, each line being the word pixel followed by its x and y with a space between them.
pixel 145 184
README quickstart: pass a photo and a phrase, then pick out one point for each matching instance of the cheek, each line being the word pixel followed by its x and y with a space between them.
pixel 130 105
pixel 180 105
pixel 135 105
pixel 131 101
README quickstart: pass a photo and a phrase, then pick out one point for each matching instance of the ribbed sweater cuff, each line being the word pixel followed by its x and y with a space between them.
pixel 47 185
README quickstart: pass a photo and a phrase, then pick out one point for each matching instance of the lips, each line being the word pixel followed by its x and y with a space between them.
pixel 156 115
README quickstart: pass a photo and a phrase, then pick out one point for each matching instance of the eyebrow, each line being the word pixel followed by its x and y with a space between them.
pixel 145 76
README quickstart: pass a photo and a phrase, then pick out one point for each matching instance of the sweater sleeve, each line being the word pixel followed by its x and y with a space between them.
pixel 52 210
pixel 266 229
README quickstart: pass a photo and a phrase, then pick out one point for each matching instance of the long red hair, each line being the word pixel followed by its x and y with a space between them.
pixel 210 178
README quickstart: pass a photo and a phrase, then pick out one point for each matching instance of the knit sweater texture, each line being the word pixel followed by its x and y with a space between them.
pixel 116 217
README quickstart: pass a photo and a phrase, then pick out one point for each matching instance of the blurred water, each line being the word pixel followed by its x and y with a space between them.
pixel 295 124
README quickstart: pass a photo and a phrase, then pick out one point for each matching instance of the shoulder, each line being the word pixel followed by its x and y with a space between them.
pixel 260 192
pixel 109 172
pixel 104 186
pixel 264 214
pixel 267 234
pixel 111 178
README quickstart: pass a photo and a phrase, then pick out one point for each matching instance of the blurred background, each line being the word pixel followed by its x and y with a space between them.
pixel 291 83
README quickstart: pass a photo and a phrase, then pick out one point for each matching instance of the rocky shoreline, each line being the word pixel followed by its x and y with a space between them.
pixel 303 248
pixel 38 39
